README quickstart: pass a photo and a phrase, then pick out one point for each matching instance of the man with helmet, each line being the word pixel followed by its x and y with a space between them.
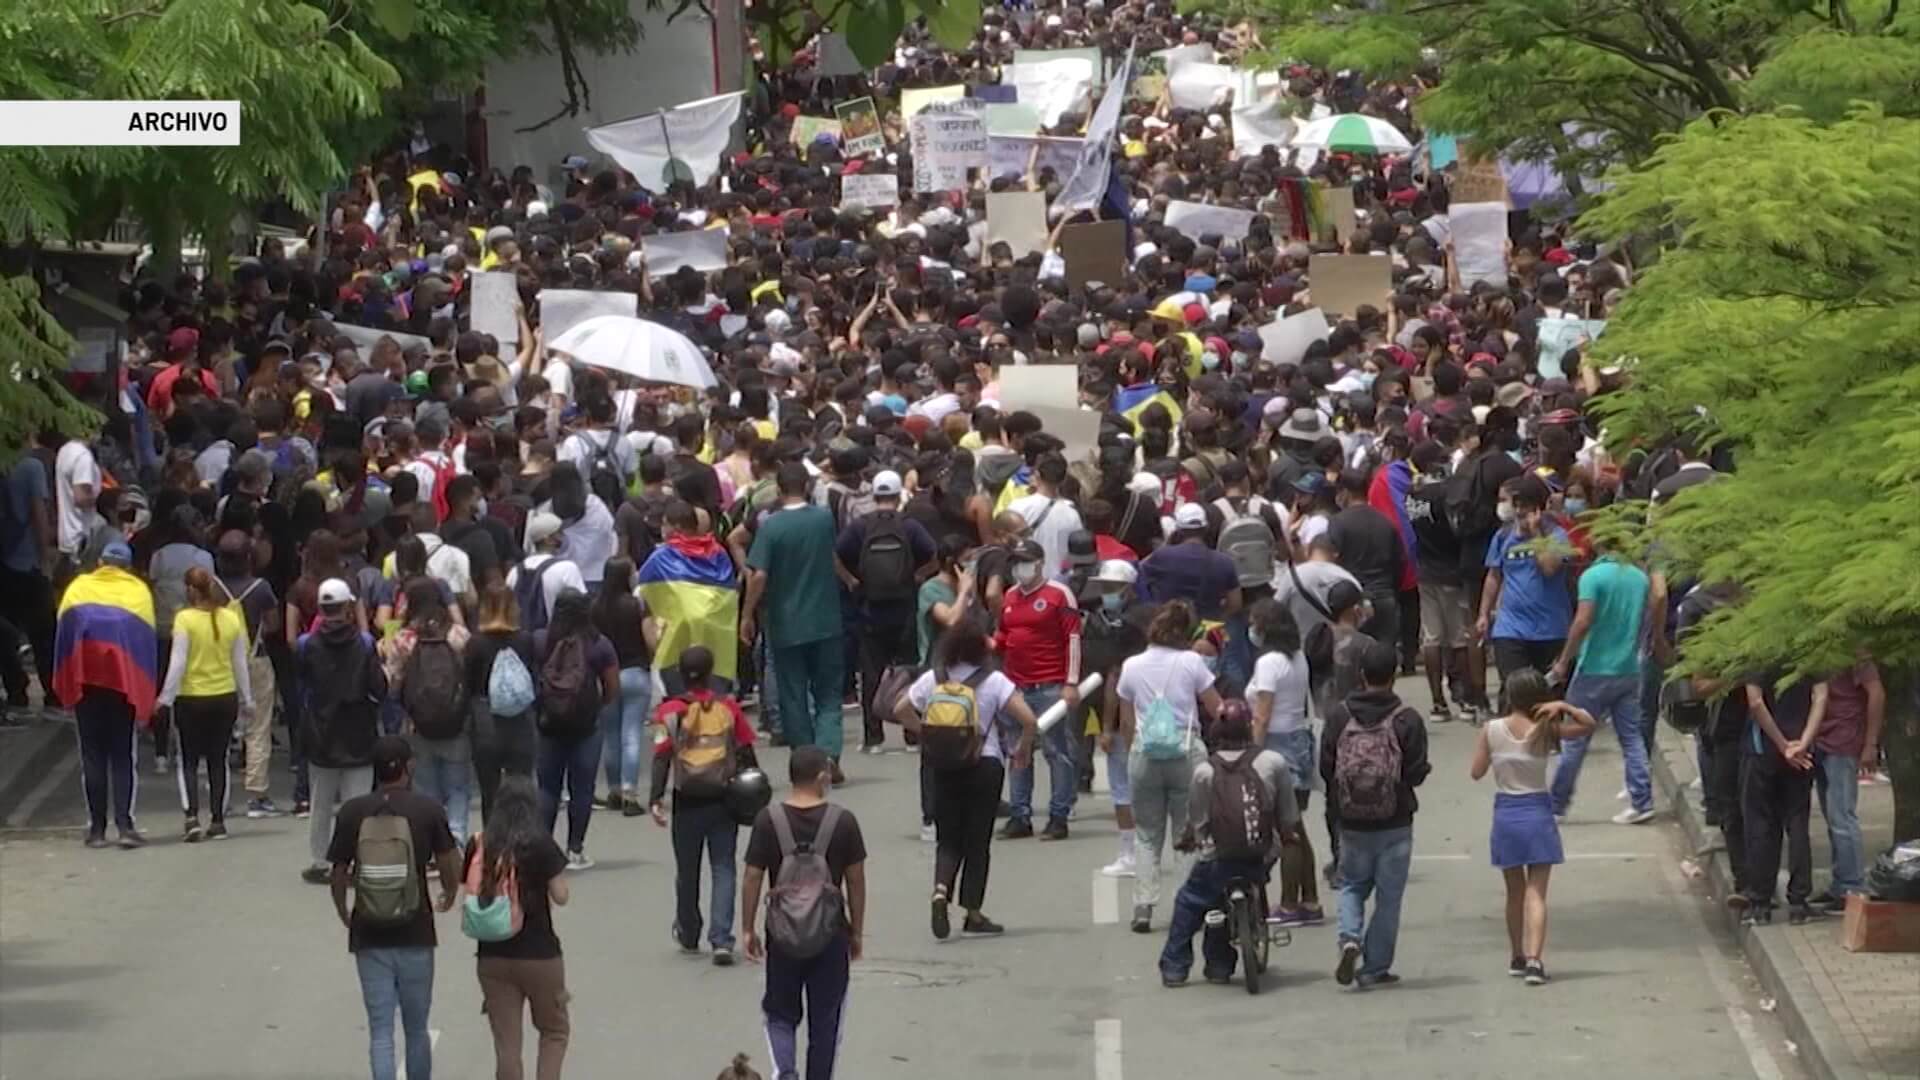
pixel 1111 632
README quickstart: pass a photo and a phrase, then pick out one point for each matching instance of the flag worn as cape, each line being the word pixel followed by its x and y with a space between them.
pixel 1131 401
pixel 1388 494
pixel 106 638
pixel 688 584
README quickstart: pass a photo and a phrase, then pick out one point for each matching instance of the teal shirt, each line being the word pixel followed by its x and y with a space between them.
pixel 1617 589
pixel 934 591
pixel 794 547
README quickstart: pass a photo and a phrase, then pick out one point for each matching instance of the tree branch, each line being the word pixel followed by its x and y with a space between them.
pixel 1893 12
pixel 579 94
pixel 154 9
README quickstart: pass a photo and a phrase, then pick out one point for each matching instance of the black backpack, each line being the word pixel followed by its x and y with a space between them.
pixel 604 477
pixel 342 718
pixel 433 689
pixel 1473 514
pixel 1239 809
pixel 530 593
pixel 569 690
pixel 886 558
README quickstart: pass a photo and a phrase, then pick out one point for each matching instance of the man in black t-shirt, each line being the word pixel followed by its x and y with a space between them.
pixel 1446 618
pixel 395 962
pixel 1776 792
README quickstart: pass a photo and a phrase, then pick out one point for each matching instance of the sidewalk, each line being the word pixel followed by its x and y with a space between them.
pixel 1855 1016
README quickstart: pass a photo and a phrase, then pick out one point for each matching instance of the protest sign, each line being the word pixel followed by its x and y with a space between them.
pixel 366 337
pixel 1195 85
pixel 1090 55
pixel 703 249
pixel 684 142
pixel 1019 218
pixel 948 139
pixel 1557 336
pixel 808 128
pixel 913 99
pixel 1341 283
pixel 1052 393
pixel 868 189
pixel 1337 203
pixel 496 295
pixel 1095 251
pixel 1479 241
pixel 1147 88
pixel 1014 119
pixel 1201 53
pixel 1261 124
pixel 1195 220
pixel 1285 341
pixel 1053 87
pixel 563 309
pixel 1479 180
pixel 993 93
pixel 860 127
pixel 1008 155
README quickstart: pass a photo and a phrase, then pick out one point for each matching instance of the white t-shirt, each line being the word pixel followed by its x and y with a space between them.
pixel 555 579
pixel 1285 677
pixel 559 378
pixel 591 541
pixel 992 695
pixel 1179 675
pixel 422 467
pixel 1051 534
pixel 582 448
pixel 448 564
pixel 72 466
pixel 1314 527
pixel 936 408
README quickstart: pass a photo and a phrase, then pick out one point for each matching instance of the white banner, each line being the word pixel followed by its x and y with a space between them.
pixel 1052 87
pixel 366 337
pixel 1264 123
pixel 948 139
pixel 1084 189
pixel 865 189
pixel 1285 341
pixel 1480 242
pixel 1007 155
pixel 495 295
pixel 563 309
pixel 703 249
pixel 1195 220
pixel 1194 85
pixel 688 138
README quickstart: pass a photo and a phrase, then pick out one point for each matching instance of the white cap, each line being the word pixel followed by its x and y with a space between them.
pixel 334 592
pixel 1145 483
pixel 536 209
pixel 1189 516
pixel 540 525
pixel 1116 572
pixel 778 322
pixel 887 485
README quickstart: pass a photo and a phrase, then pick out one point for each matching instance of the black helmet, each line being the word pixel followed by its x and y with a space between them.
pixel 747 793
pixel 1028 551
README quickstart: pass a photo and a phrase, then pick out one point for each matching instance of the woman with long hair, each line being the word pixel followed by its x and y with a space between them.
pixel 1525 842
pixel 1161 694
pixel 525 970
pixel 207 689
pixel 320 560
pixel 618 615
pixel 503 735
pixel 569 749
pixel 1282 708
pixel 410 567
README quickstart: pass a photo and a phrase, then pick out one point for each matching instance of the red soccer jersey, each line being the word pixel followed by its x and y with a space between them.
pixel 1039 637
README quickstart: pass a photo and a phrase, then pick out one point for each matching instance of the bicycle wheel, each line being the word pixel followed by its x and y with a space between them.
pixel 1250 927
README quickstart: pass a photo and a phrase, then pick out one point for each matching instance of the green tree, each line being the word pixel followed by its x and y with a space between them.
pixel 32 398
pixel 872 27
pixel 1788 308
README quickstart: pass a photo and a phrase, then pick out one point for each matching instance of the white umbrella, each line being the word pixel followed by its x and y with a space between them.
pixel 1352 133
pixel 636 347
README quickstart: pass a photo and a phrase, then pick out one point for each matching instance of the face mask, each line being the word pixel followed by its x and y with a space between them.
pixel 1576 507
pixel 1239 360
pixel 480 507
pixel 1366 379
pixel 1113 602
pixel 1209 360
pixel 1257 639
pixel 1026 573
pixel 1505 511
pixel 1213 664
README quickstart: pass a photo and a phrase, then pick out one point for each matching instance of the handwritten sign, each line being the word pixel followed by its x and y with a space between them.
pixel 948 139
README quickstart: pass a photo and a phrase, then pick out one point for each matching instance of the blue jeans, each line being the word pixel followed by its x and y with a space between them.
pixel 709 829
pixel 397 978
pixel 623 724
pixel 443 772
pixel 570 762
pixel 1205 889
pixel 1607 697
pixel 1837 777
pixel 1376 864
pixel 1062 778
pixel 811 679
pixel 1236 661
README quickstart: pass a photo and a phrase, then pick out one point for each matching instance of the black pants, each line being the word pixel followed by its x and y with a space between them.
pixel 1775 798
pixel 1409 601
pixel 822 981
pixel 206 726
pixel 964 801
pixel 162 722
pixel 501 745
pixel 1385 623
pixel 104 720
pixel 1512 654
pixel 882 646
pixel 26 601
pixel 1722 791
pixel 702 830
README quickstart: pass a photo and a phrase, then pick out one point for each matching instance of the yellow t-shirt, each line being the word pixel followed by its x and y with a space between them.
pixel 210 638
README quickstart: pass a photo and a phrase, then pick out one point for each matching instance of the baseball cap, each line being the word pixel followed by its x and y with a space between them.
pixel 117 553
pixel 1343 595
pixel 574 161
pixel 887 485
pixel 1512 394
pixel 334 592
pixel 183 340
pixel 1189 516
pixel 540 525
pixel 1116 572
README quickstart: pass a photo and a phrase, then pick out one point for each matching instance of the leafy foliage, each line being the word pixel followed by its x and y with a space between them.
pixel 33 399
pixel 872 27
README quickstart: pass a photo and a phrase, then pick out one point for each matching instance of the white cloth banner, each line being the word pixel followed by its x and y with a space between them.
pixel 1194 85
pixel 1480 242
pixel 1194 220
pixel 688 138
pixel 1088 182
pixel 1264 123
pixel 563 309
pixel 862 189
pixel 1285 341
pixel 1052 87
pixel 1007 155
pixel 703 249
pixel 495 292
pixel 948 139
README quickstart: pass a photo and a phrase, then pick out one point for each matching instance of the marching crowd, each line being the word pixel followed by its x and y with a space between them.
pixel 427 569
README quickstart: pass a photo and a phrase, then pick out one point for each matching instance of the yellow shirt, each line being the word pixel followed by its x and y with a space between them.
pixel 210 638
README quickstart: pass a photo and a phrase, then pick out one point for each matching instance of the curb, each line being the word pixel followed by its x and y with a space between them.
pixel 1822 1047
pixel 55 742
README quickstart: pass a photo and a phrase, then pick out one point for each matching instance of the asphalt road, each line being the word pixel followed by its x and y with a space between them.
pixel 214 962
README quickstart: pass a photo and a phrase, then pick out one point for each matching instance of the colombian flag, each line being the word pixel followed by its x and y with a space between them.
pixel 1131 401
pixel 688 584
pixel 1388 494
pixel 106 638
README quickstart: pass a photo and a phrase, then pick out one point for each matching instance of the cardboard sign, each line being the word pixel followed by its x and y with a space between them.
pixel 1285 341
pixel 1195 220
pixel 948 140
pixel 1147 88
pixel 703 249
pixel 1338 204
pixel 563 309
pixel 871 190
pixel 1052 393
pixel 1019 218
pixel 496 293
pixel 1201 53
pixel 366 337
pixel 1479 241
pixel 1007 155
pixel 1558 336
pixel 1479 180
pixel 1053 87
pixel 860 127
pixel 1095 251
pixel 1342 283
pixel 915 99
pixel 808 128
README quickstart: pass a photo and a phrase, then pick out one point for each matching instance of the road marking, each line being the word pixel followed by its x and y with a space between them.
pixel 56 777
pixel 1759 1055
pixel 1106 901
pixel 1106 1050
pixel 400 1048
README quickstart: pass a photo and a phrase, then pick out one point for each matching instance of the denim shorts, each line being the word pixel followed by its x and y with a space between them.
pixel 1297 747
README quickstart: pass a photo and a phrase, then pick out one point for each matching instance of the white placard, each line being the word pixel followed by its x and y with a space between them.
pixel 1480 241
pixel 1007 155
pixel 703 249
pixel 495 295
pixel 948 139
pixel 1052 87
pixel 1194 85
pixel 1261 124
pixel 1194 220
pixel 1052 393
pixel 1019 218
pixel 1285 341
pixel 366 337
pixel 873 190
pixel 563 309
pixel 1201 53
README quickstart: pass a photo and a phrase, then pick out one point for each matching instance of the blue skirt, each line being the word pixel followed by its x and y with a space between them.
pixel 1524 832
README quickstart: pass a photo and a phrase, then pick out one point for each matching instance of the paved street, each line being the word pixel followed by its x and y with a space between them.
pixel 215 962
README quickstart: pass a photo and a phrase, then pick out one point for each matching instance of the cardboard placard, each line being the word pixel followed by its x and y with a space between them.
pixel 563 309
pixel 1052 393
pixel 1195 85
pixel 914 99
pixel 703 249
pixel 870 189
pixel 1195 220
pixel 366 337
pixel 1019 218
pixel 1479 180
pixel 1341 283
pixel 948 140
pixel 1053 87
pixel 1014 119
pixel 808 128
pixel 860 127
pixel 1201 53
pixel 1008 155
pixel 1479 241
pixel 1095 251
pixel 1285 341
pixel 496 294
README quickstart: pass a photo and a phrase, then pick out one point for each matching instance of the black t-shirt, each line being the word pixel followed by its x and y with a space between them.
pixel 1369 548
pixel 846 848
pixel 489 546
pixel 618 619
pixel 481 650
pixel 695 481
pixel 1435 544
pixel 431 838
pixel 535 870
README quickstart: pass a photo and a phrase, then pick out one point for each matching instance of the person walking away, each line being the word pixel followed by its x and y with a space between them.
pixel 1039 645
pixel 1161 694
pixel 1847 749
pixel 816 914
pixel 381 845
pixel 543 576
pixel 341 686
pixel 947 596
pixel 1445 611
pixel 954 708
pixel 791 568
pixel 701 740
pixel 881 556
pixel 179 553
pixel 254 601
pixel 1281 697
pixel 426 673
pixel 1242 812
pixel 514 861
pixel 1109 635
pixel 1525 841
pixel 578 671
pixel 690 590
pixel 105 670
pixel 1371 549
pixel 619 616
pixel 1603 652
pixel 1776 792
pixel 1250 531
pixel 500 667
pixel 207 689
pixel 1525 606
pixel 28 547
pixel 1188 568
pixel 1372 755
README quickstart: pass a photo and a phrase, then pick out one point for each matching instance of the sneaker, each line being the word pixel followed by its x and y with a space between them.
pixel 1289 917
pixel 1880 776
pixel 1440 714
pixel 217 831
pixel 1349 959
pixel 722 956
pixel 874 749
pixel 1142 919
pixel 302 808
pixel 1622 795
pixel 929 834
pixel 610 801
pixel 1737 902
pixel 1802 914
pixel 579 860
pixel 1120 867
pixel 132 838
pixel 688 945
pixel 839 778
pixel 1757 916
pixel 162 765
pixel 316 875
pixel 1385 978
pixel 942 924
pixel 262 807
pixel 1536 973
pixel 1016 830
pixel 1829 903
pixel 981 925
pixel 631 806
pixel 1516 967
pixel 913 748
pixel 1172 982
pixel 1470 714
pixel 193 833
pixel 1218 978
pixel 1696 786
pixel 1313 915
pixel 1055 830
pixel 1630 816
pixel 97 841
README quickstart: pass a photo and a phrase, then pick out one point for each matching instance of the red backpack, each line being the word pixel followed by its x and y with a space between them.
pixel 443 475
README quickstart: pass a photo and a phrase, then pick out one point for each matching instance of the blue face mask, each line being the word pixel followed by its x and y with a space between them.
pixel 1576 507
pixel 1113 602
pixel 1209 360
pixel 1213 664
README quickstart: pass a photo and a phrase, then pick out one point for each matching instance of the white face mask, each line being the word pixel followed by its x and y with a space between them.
pixel 480 507
pixel 1026 573
pixel 1504 510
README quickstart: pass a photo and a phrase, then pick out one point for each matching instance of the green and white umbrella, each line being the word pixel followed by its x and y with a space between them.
pixel 1352 133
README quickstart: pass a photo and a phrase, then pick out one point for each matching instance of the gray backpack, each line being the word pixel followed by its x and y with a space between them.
pixel 805 909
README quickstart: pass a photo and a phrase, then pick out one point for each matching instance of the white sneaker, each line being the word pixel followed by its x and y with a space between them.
pixel 928 835
pixel 1120 867
pixel 1696 787
pixel 1622 795
pixel 1630 816
pixel 579 860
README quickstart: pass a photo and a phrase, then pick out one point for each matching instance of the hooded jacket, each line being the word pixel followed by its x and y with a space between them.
pixel 1369 708
pixel 342 685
